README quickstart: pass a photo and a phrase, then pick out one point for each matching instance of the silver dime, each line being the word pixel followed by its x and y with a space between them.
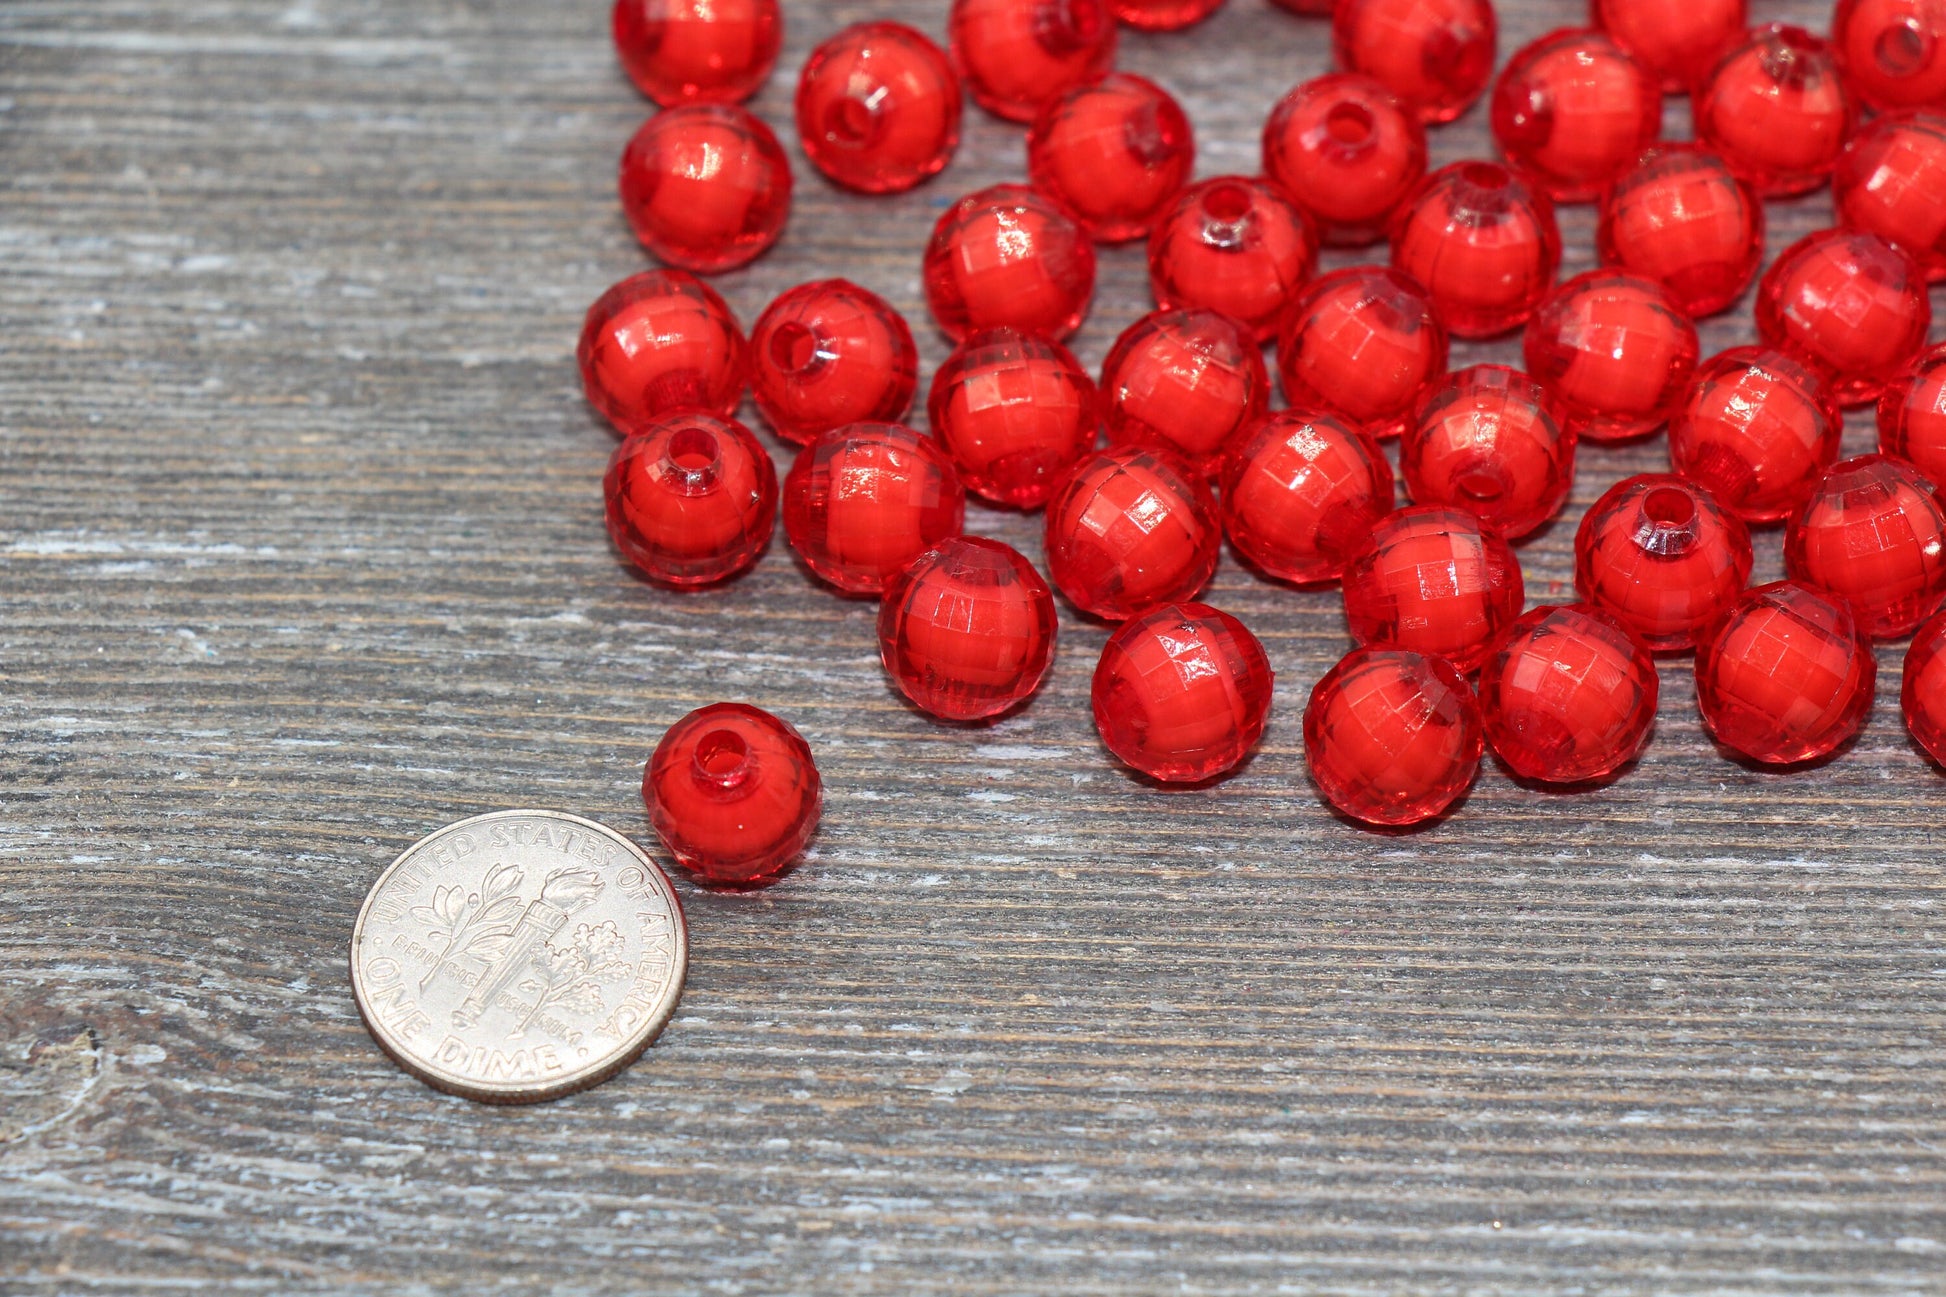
pixel 519 956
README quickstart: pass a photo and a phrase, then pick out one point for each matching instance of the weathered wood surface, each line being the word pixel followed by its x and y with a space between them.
pixel 301 556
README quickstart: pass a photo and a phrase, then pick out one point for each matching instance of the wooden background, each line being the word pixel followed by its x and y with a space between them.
pixel 301 556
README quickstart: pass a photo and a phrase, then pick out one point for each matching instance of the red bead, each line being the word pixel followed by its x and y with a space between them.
pixel 1757 431
pixel 1676 40
pixel 1891 181
pixel 1014 410
pixel 1893 52
pixel 733 793
pixel 1301 493
pixel 1181 693
pixel 1572 111
pixel 706 187
pixel 1615 350
pixel 1015 55
pixel 1362 342
pixel 1662 557
pixel 1484 245
pixel 1785 675
pixel 691 498
pixel 967 630
pixel 861 502
pixel 1436 55
pixel 1435 580
pixel 1392 736
pixel 1346 151
pixel 1129 529
pixel 1776 110
pixel 878 108
pixel 1568 695
pixel 698 51
pixel 658 342
pixel 1682 218
pixel 1185 381
pixel 1235 245
pixel 1848 303
pixel 1922 695
pixel 1487 439
pixel 1912 415
pixel 1163 15
pixel 1115 151
pixel 1874 533
pixel 1009 255
pixel 829 353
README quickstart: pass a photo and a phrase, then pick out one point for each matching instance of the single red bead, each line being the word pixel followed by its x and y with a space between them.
pixel 1188 381
pixel 829 353
pixel 1436 55
pixel 1392 737
pixel 1615 350
pixel 1678 41
pixel 1363 343
pixel 1661 556
pixel 967 629
pixel 1015 55
pixel 706 186
pixel 1009 255
pixel 1784 674
pixel 1484 245
pixel 1014 410
pixel 1892 52
pixel 860 502
pixel 1128 529
pixel 1873 533
pixel 1487 439
pixel 734 795
pixel 1302 492
pixel 1435 580
pixel 1163 15
pixel 1848 303
pixel 1568 695
pixel 691 498
pixel 1572 111
pixel 1922 694
pixel 1346 151
pixel 698 51
pixel 1891 181
pixel 1776 109
pixel 1757 431
pixel 878 108
pixel 1116 152
pixel 658 342
pixel 1682 218
pixel 1235 245
pixel 1912 415
pixel 1181 693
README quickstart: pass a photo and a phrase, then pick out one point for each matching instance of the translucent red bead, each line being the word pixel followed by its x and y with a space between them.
pixel 1486 439
pixel 860 502
pixel 706 186
pixel 1362 342
pixel 1662 557
pixel 734 795
pixel 1014 410
pixel 1301 494
pixel 1484 245
pixel 1848 303
pixel 1891 181
pixel 1236 245
pixel 967 629
pixel 1893 52
pixel 691 498
pixel 698 51
pixel 1129 529
pixel 1182 692
pixel 1346 151
pixel 1433 579
pixel 1572 111
pixel 1757 431
pixel 1188 381
pixel 1912 415
pixel 1922 694
pixel 658 342
pixel 1392 737
pixel 1776 109
pixel 829 353
pixel 1436 55
pixel 878 108
pixel 1615 351
pixel 1568 695
pixel 1015 55
pixel 1676 40
pixel 1116 152
pixel 1874 533
pixel 1682 218
pixel 1163 15
pixel 1785 675
pixel 1009 255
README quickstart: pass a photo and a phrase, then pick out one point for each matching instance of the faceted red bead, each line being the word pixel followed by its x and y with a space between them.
pixel 1682 218
pixel 1301 493
pixel 657 342
pixel 691 498
pixel 1757 431
pixel 705 186
pixel 860 502
pixel 1436 55
pixel 1362 342
pixel 1776 109
pixel 698 51
pixel 734 794
pixel 1487 439
pixel 1874 533
pixel 1014 410
pixel 1346 151
pixel 1891 181
pixel 1785 674
pixel 1922 694
pixel 1009 255
pixel 1484 245
pixel 1015 55
pixel 1662 557
pixel 1676 40
pixel 1615 350
pixel 1235 245
pixel 1572 111
pixel 1163 15
pixel 829 353
pixel 1435 580
pixel 1129 529
pixel 1392 737
pixel 1568 695
pixel 1186 381
pixel 1912 415
pixel 1848 303
pixel 1115 151
pixel 967 629
pixel 878 108
pixel 1181 693
pixel 1893 52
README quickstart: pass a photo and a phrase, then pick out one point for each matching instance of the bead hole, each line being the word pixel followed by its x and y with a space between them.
pixel 794 347
pixel 723 758
pixel 1484 175
pixel 1350 124
pixel 850 121
pixel 1480 485
pixel 1667 506
pixel 691 459
pixel 1901 49
pixel 1227 204
pixel 1064 27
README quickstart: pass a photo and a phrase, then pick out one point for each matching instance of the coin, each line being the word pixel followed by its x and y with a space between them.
pixel 519 956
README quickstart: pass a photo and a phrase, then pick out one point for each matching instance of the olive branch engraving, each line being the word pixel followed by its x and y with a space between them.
pixel 571 976
pixel 472 923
